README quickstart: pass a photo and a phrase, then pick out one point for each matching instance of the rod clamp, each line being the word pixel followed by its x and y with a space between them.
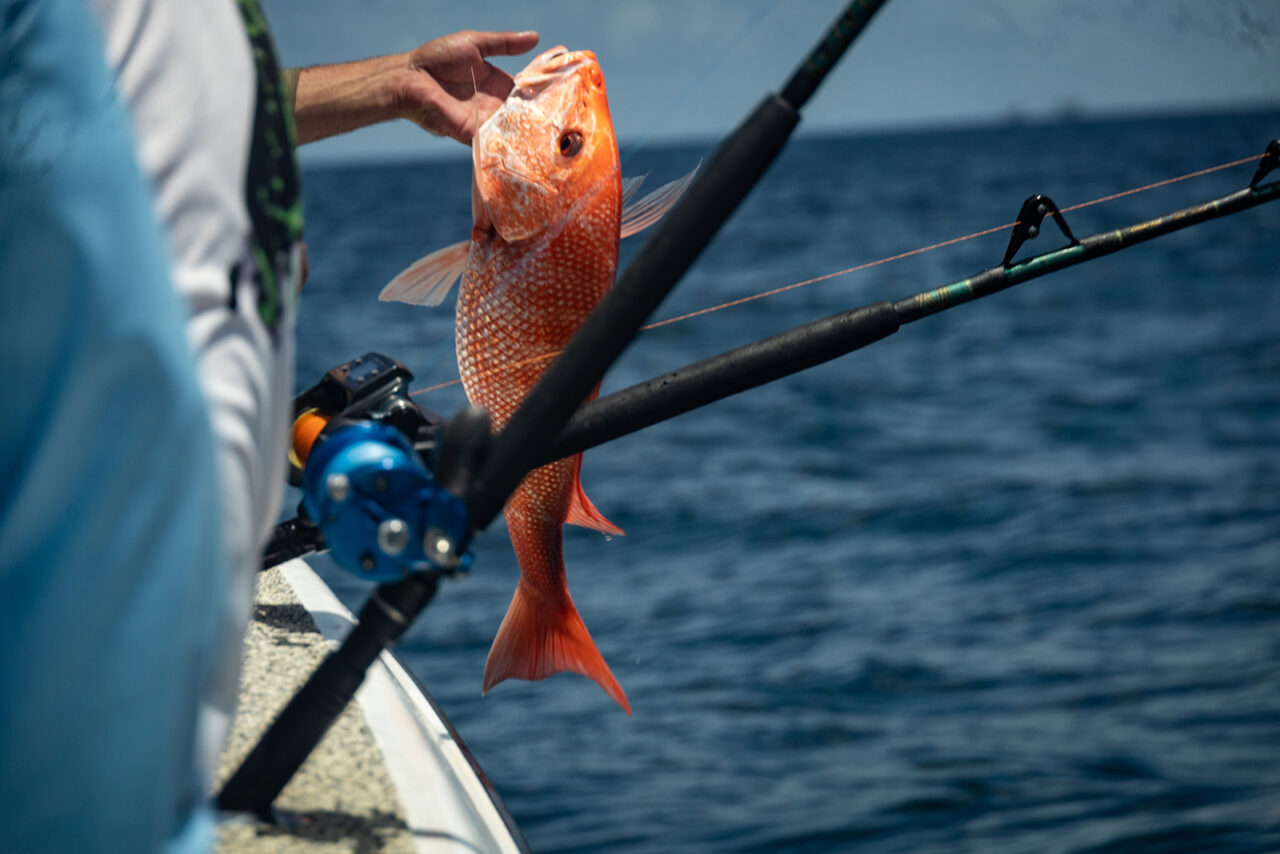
pixel 1270 160
pixel 1030 218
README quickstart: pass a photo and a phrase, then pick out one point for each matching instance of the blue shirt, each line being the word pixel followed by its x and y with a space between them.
pixel 110 553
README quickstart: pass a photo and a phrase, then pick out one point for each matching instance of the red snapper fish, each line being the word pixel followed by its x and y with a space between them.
pixel 548 202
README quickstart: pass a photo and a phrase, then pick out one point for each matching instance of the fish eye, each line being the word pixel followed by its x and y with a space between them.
pixel 570 143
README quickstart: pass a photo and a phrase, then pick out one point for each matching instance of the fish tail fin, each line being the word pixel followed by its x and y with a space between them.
pixel 535 642
pixel 428 280
pixel 582 512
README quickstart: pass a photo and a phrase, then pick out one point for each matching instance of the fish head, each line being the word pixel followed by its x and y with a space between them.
pixel 548 151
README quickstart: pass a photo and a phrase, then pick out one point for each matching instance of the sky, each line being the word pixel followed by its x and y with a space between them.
pixel 691 69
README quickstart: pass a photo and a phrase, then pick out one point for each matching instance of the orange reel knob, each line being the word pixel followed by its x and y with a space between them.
pixel 306 427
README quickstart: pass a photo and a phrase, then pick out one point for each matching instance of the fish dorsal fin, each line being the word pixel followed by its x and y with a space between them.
pixel 428 280
pixel 639 215
pixel 582 512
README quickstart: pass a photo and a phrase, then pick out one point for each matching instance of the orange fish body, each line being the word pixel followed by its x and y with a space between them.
pixel 547 202
pixel 526 289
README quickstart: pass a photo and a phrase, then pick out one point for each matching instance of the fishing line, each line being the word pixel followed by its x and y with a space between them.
pixel 1163 183
pixel 953 241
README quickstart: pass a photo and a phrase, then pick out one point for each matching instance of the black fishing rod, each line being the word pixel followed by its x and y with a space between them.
pixel 484 477
pixel 810 344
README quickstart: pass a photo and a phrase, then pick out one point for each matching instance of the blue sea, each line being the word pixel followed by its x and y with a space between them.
pixel 1006 581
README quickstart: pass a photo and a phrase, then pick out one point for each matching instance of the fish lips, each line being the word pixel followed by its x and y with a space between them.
pixel 548 68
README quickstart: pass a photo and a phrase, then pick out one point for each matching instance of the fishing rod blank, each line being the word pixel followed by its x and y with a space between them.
pixel 810 344
pixel 677 240
pixel 805 79
pixel 701 383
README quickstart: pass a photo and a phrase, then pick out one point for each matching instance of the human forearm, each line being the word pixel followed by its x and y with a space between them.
pixel 446 86
pixel 334 99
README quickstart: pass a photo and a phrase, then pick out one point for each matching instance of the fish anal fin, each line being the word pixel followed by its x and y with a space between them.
pixel 640 214
pixel 428 280
pixel 582 512
pixel 535 642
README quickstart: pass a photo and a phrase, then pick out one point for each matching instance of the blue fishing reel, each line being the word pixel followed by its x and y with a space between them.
pixel 380 510
pixel 365 457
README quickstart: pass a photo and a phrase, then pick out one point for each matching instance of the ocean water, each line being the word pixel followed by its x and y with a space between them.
pixel 1006 581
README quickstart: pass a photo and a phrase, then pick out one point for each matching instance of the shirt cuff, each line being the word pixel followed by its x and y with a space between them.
pixel 289 78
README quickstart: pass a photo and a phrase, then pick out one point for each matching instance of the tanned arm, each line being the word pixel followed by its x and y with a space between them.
pixel 446 86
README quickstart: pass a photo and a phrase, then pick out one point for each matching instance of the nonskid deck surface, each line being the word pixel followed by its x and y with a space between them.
pixel 389 776
pixel 343 798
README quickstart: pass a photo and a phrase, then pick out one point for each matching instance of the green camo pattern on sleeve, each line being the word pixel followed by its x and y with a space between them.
pixel 272 191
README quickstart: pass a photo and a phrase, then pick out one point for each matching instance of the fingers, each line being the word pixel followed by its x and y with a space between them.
pixel 505 43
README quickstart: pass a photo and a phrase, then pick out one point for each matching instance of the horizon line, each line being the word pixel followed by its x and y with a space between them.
pixel 1013 119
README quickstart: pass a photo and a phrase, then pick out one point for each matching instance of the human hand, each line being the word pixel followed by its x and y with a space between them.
pixel 451 89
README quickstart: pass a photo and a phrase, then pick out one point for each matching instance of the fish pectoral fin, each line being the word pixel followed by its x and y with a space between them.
pixel 630 186
pixel 538 638
pixel 583 513
pixel 642 213
pixel 428 280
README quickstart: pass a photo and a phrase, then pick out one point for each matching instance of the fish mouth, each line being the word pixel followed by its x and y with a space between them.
pixel 551 66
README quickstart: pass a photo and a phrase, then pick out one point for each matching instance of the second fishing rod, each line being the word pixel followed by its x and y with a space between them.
pixel 691 387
